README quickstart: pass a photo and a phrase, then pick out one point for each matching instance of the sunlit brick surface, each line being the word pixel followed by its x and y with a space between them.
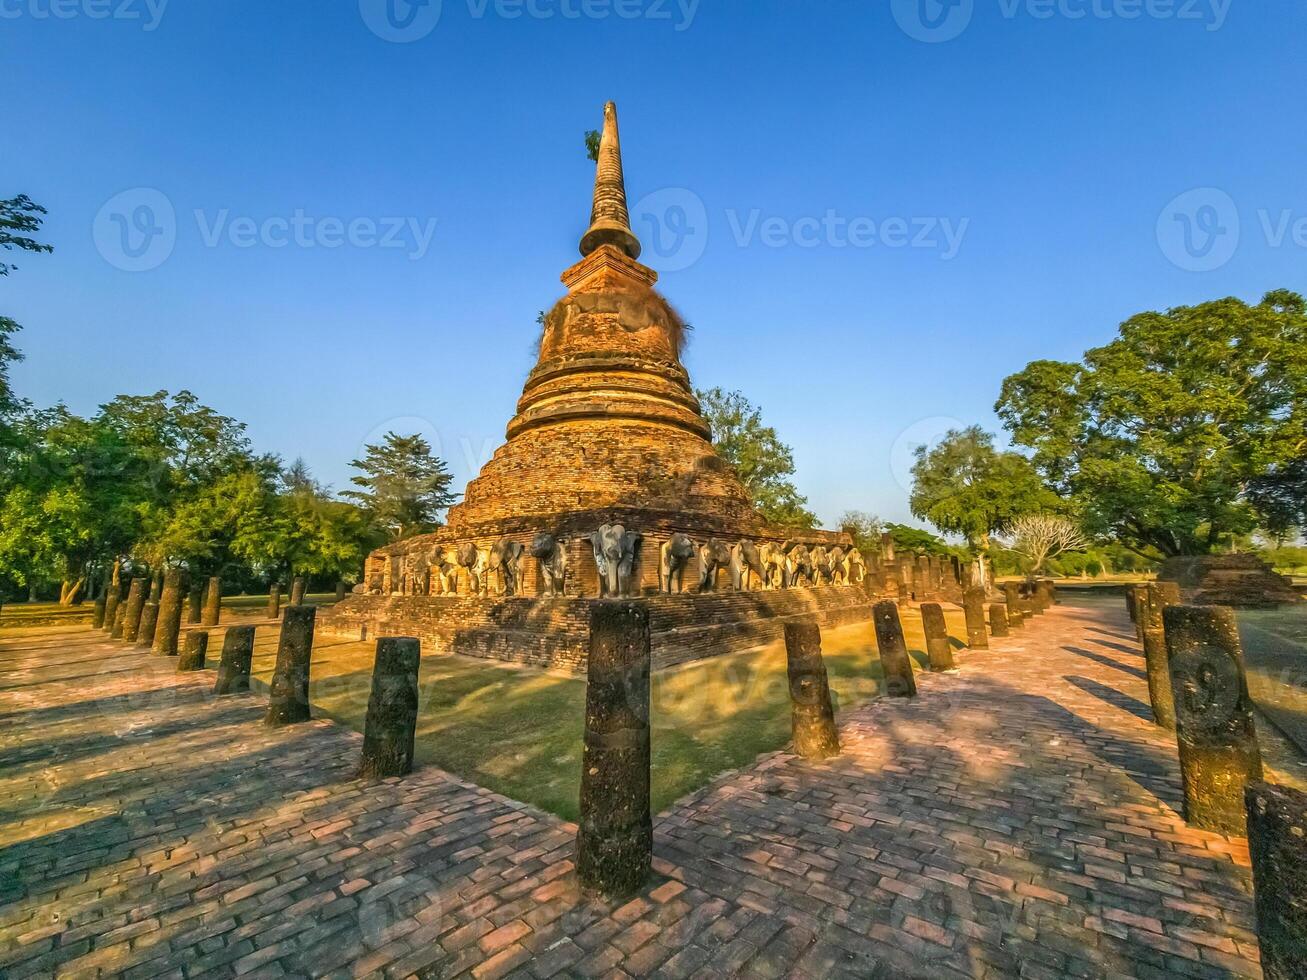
pixel 1019 818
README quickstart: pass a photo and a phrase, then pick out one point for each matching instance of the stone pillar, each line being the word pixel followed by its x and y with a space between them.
pixel 194 651
pixel 938 647
pixel 998 619
pixel 297 590
pixel 342 589
pixel 887 546
pixel 132 614
pixel 811 712
pixel 97 617
pixel 195 604
pixel 1213 716
pixel 973 604
pixel 112 603
pixel 212 602
pixel 1012 596
pixel 392 709
pixel 1277 844
pixel 116 631
pixel 170 614
pixel 273 609
pixel 1138 602
pixel 1130 602
pixel 289 702
pixel 894 659
pixel 146 627
pixel 234 665
pixel 1027 602
pixel 1157 597
pixel 921 578
pixel 156 587
pixel 614 840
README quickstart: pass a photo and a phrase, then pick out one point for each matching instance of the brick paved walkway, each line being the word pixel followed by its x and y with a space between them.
pixel 1019 818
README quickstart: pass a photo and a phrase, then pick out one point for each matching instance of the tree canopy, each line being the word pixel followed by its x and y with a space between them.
pixel 405 486
pixel 964 486
pixel 1166 435
pixel 765 464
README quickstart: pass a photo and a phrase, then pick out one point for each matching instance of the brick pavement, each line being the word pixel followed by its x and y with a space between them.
pixel 1018 819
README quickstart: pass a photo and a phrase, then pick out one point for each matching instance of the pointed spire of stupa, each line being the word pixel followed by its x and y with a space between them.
pixel 610 224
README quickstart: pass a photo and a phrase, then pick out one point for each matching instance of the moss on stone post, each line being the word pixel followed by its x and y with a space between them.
pixel 1012 596
pixel 195 604
pixel 145 628
pixel 973 606
pixel 1148 609
pixel 289 701
pixel 1213 714
pixel 1277 844
pixel 392 715
pixel 938 647
pixel 812 716
pixel 170 614
pixel 614 840
pixel 132 613
pixel 998 619
pixel 297 589
pixel 212 602
pixel 273 609
pixel 194 651
pixel 234 664
pixel 894 659
pixel 113 602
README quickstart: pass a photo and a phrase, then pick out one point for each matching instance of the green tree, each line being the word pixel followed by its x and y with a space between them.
pixel 405 486
pixel 765 464
pixel 1160 435
pixel 592 140
pixel 20 218
pixel 914 539
pixel 964 486
pixel 864 528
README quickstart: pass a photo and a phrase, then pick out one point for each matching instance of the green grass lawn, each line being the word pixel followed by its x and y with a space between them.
pixel 16 615
pixel 517 730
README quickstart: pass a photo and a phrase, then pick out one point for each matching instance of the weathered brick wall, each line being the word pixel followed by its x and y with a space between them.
pixel 554 633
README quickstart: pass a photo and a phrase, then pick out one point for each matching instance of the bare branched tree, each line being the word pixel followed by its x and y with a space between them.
pixel 1040 537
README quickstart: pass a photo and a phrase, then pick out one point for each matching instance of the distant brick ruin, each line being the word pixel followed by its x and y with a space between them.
pixel 608 486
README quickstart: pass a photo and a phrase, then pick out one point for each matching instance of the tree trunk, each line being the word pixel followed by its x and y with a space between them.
pixel 31 592
pixel 69 591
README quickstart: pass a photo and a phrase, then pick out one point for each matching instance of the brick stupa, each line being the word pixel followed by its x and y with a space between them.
pixel 608 431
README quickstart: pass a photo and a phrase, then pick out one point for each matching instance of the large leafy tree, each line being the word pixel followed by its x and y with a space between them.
pixel 20 219
pixel 1161 434
pixel 765 464
pixel 404 485
pixel 964 486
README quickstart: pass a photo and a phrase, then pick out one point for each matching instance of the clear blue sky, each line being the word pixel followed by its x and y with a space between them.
pixel 1054 144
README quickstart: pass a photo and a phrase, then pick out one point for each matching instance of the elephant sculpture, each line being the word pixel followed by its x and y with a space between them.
pixel 614 550
pixel 820 564
pixel 798 564
pixel 477 563
pixel 857 567
pixel 773 566
pixel 444 576
pixel 713 554
pixel 673 556
pixel 551 553
pixel 746 563
pixel 838 565
pixel 504 562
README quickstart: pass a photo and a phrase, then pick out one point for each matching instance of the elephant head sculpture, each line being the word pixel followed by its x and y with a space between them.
pixel 551 553
pixel 746 563
pixel 673 556
pixel 773 566
pixel 713 554
pixel 504 561
pixel 857 567
pixel 614 550
pixel 838 564
pixel 477 562
pixel 820 564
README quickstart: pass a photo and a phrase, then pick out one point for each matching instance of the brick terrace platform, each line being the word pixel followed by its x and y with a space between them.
pixel 1019 818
